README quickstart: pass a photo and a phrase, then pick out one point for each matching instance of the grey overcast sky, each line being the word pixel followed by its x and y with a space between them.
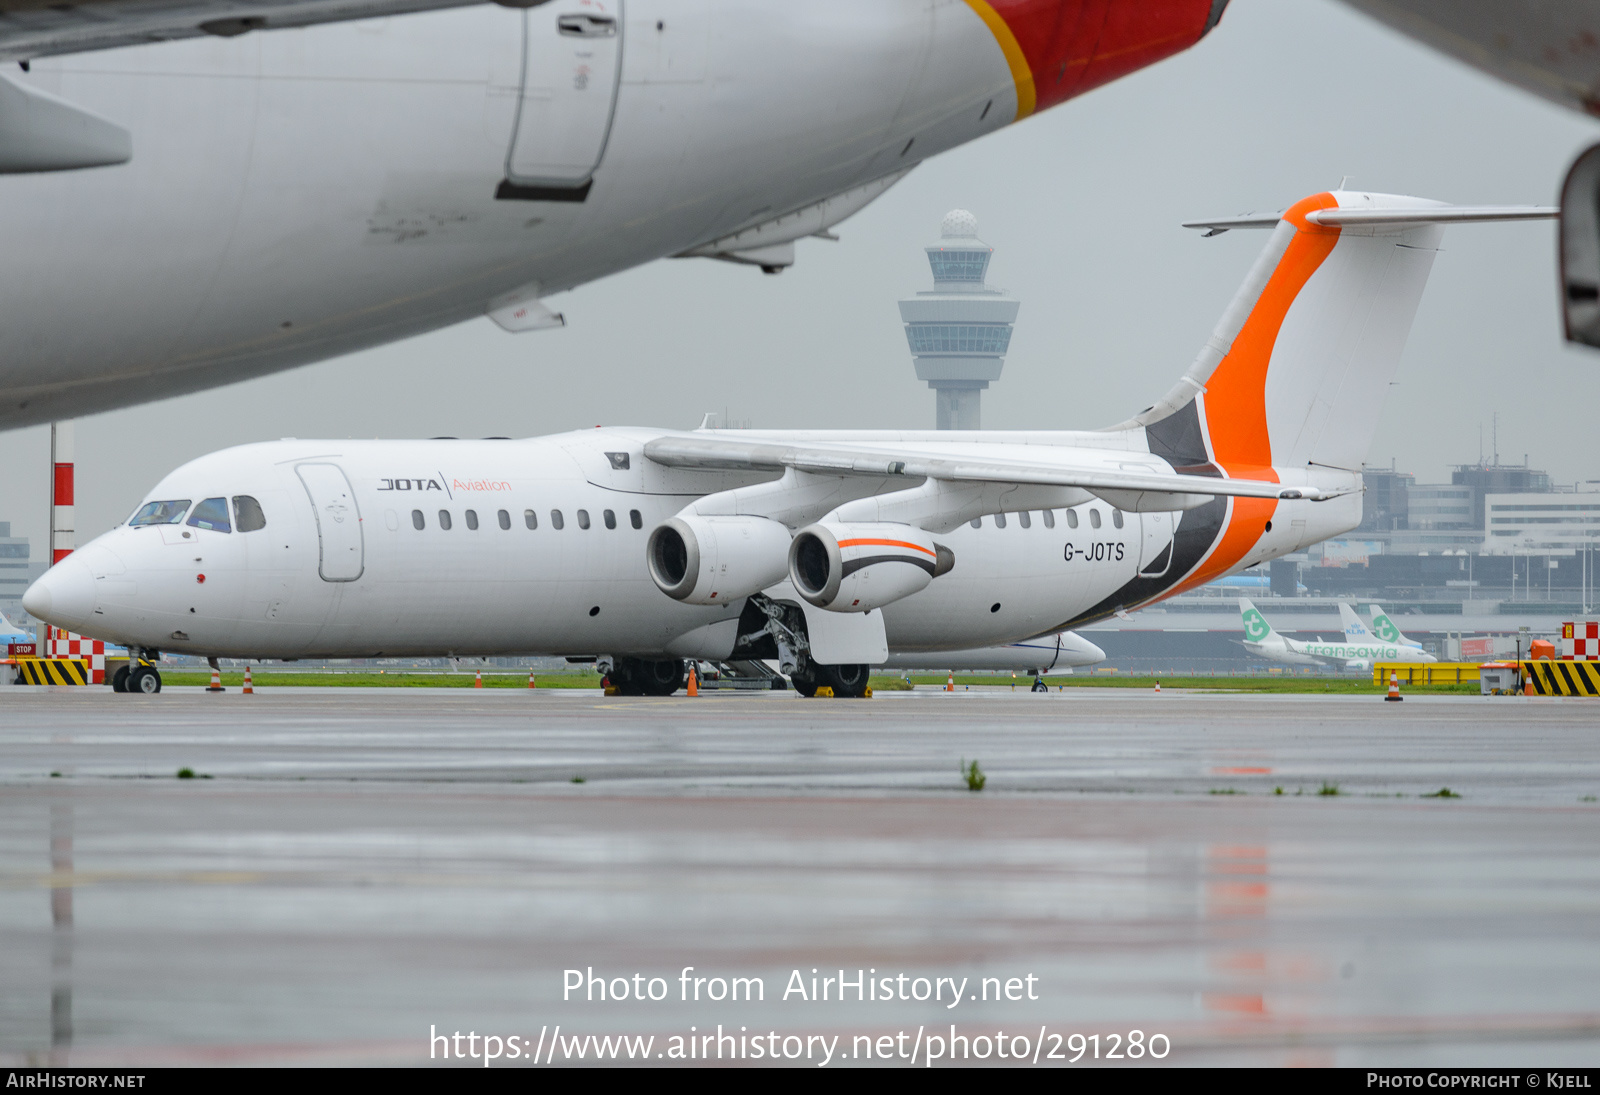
pixel 1082 205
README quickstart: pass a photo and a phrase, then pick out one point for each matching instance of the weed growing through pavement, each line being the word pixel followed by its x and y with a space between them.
pixel 185 773
pixel 1225 791
pixel 973 775
pixel 1329 789
pixel 1443 792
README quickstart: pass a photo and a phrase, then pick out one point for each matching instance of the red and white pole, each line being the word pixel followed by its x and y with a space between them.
pixel 62 520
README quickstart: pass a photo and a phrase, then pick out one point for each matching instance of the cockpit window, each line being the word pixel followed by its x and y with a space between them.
pixel 161 513
pixel 211 514
pixel 247 515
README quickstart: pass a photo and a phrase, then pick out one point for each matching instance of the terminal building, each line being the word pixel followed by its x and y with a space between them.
pixel 960 330
pixel 17 572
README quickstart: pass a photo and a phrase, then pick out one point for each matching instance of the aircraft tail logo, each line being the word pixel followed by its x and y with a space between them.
pixel 1256 628
pixel 1384 627
pixel 1354 630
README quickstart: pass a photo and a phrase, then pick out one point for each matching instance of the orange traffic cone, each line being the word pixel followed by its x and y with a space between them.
pixel 1527 685
pixel 216 680
pixel 477 679
pixel 1158 688
pixel 530 680
pixel 694 681
pixel 950 682
pixel 248 689
pixel 1394 695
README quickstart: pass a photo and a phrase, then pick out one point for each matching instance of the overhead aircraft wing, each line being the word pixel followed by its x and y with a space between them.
pixel 682 451
pixel 44 28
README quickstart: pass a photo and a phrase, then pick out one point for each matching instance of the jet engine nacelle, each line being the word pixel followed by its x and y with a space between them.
pixel 859 567
pixel 713 560
pixel 1580 248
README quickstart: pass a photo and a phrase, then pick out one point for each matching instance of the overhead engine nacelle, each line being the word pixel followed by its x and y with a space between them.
pixel 859 567
pixel 713 560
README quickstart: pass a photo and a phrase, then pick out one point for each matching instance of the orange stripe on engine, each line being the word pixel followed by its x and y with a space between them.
pixel 865 542
pixel 1021 72
pixel 1235 396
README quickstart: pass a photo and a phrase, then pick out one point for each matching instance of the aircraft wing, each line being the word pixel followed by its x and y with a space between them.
pixel 824 458
pixel 43 28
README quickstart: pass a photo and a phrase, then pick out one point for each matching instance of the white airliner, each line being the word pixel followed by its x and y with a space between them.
pixel 1359 650
pixel 825 550
pixel 10 633
pixel 306 192
pixel 1063 650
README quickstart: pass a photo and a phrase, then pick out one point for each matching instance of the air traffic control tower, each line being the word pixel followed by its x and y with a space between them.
pixel 959 332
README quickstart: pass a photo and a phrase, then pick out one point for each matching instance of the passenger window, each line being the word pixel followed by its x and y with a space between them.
pixel 1072 518
pixel 1116 517
pixel 505 519
pixel 977 522
pixel 472 520
pixel 555 519
pixel 611 519
pixel 530 518
pixel 247 515
pixel 999 520
pixel 635 519
pixel 1026 519
pixel 160 513
pixel 1094 518
pixel 211 514
pixel 1049 518
pixel 418 522
pixel 444 519
pixel 583 518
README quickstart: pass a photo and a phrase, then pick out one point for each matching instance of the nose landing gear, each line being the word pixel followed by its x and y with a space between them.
pixel 144 679
pixel 138 675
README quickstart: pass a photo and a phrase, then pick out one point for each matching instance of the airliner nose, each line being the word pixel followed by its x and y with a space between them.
pixel 63 596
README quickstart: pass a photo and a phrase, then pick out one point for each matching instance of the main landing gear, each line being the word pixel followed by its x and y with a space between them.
pixel 845 680
pixel 645 677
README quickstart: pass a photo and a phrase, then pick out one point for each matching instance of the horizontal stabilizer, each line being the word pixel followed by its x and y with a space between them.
pixel 1343 218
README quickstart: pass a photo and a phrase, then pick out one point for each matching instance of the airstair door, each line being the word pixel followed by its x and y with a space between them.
pixel 343 557
pixel 571 65
pixel 1155 545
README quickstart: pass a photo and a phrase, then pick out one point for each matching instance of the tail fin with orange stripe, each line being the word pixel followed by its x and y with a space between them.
pixel 1289 386
pixel 1297 368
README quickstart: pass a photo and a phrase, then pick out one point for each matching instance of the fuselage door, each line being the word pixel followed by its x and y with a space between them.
pixel 1155 544
pixel 342 557
pixel 571 64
